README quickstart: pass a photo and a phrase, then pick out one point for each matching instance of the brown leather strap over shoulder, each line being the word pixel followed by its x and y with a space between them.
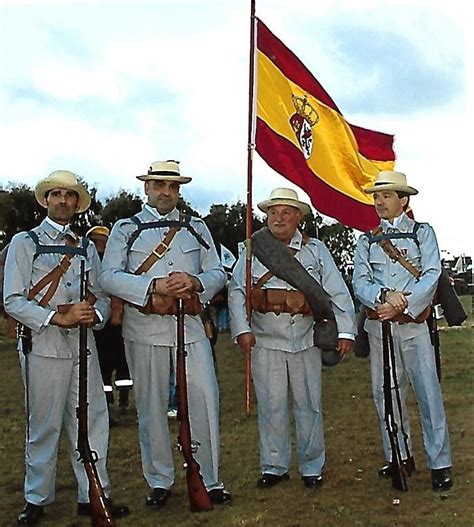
pixel 52 278
pixel 395 254
pixel 159 250
pixel 279 300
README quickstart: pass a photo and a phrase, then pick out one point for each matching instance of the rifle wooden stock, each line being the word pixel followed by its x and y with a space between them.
pixel 100 514
pixel 199 499
pixel 399 481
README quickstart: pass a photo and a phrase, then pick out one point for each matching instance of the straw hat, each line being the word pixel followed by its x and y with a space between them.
pixel 98 230
pixel 284 196
pixel 62 179
pixel 165 171
pixel 389 180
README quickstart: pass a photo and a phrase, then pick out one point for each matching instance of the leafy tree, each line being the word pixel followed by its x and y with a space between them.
pixel 81 223
pixel 228 224
pixel 19 211
pixel 124 205
pixel 339 239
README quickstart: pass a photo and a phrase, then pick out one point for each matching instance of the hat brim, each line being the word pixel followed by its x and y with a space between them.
pixel 158 177
pixel 265 205
pixel 98 230
pixel 391 186
pixel 42 188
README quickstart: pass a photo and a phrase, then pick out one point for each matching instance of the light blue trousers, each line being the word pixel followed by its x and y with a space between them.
pixel 415 365
pixel 52 390
pixel 150 370
pixel 274 372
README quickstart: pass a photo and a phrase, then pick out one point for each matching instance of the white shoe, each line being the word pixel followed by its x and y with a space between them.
pixel 172 414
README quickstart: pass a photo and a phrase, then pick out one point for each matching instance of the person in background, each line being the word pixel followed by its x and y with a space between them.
pixel 110 345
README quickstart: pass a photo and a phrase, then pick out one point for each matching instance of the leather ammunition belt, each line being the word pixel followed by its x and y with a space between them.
pixel 166 305
pixel 401 318
pixel 279 301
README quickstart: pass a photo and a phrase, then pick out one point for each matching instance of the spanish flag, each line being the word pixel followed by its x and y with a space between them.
pixel 301 133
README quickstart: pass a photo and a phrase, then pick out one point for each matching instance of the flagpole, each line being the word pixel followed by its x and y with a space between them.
pixel 249 217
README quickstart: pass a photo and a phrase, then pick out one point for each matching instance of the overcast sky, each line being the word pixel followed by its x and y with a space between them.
pixel 104 88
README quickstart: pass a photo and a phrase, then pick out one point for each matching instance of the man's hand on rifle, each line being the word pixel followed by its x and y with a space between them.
pixel 177 284
pixel 395 303
pixel 246 342
pixel 81 313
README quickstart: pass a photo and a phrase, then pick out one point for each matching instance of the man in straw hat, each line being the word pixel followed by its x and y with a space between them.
pixel 280 337
pixel 150 262
pixel 393 293
pixel 52 312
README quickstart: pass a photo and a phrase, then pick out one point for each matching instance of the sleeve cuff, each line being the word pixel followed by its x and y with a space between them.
pixel 347 336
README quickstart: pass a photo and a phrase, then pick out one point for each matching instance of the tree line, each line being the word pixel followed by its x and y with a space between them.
pixel 20 211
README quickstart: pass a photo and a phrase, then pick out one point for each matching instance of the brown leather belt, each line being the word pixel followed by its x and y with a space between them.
pixel 401 318
pixel 279 301
pixel 166 305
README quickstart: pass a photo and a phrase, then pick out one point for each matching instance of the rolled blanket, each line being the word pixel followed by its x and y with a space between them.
pixel 275 255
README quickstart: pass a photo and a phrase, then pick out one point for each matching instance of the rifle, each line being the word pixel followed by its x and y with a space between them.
pixel 434 337
pixel 399 471
pixel 100 514
pixel 199 499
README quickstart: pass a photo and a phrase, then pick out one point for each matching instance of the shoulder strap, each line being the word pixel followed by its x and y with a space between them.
pixel 161 249
pixel 393 252
pixel 58 249
pixel 54 276
pixel 184 221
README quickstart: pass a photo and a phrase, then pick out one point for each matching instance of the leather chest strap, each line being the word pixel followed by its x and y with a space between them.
pixel 158 252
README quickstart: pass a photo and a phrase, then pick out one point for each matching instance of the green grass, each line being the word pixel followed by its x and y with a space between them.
pixel 352 494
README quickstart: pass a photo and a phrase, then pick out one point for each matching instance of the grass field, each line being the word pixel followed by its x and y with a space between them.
pixel 352 494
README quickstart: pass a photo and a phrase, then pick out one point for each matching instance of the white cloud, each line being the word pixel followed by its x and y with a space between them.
pixel 107 87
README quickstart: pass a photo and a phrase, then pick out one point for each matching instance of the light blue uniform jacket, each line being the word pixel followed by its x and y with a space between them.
pixel 374 270
pixel 185 254
pixel 23 271
pixel 287 332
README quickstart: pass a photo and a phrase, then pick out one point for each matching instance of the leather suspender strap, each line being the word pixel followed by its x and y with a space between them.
pixel 394 253
pixel 52 278
pixel 160 249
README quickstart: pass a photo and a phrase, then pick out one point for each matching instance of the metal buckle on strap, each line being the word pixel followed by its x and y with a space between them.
pixel 157 254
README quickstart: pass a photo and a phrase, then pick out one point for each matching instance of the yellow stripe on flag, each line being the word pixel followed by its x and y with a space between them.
pixel 334 150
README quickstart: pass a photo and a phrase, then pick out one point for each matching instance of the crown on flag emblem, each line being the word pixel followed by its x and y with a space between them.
pixel 302 121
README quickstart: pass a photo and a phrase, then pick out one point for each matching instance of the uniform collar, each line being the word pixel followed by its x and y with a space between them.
pixel 57 231
pixel 296 241
pixel 172 215
pixel 401 223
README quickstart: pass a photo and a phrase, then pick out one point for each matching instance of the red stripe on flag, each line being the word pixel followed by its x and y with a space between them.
pixel 372 145
pixel 281 155
pixel 290 65
pixel 375 146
